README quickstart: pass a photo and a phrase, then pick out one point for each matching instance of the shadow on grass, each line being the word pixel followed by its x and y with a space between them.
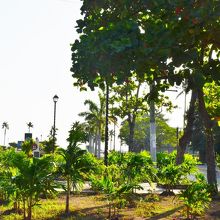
pixel 85 214
pixel 165 214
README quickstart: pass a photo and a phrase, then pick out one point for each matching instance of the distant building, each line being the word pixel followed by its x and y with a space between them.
pixel 27 136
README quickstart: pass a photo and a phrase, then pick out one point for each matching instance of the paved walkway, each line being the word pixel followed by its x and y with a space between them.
pixel 154 188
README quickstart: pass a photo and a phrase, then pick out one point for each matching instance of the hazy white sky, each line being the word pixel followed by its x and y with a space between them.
pixel 35 59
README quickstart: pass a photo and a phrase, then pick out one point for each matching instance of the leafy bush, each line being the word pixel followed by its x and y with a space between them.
pixel 196 197
pixel 116 191
pixel 135 167
pixel 171 174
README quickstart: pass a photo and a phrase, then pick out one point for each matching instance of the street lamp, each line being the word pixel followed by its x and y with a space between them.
pixel 55 99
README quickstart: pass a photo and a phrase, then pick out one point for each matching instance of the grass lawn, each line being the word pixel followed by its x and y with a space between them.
pixel 90 207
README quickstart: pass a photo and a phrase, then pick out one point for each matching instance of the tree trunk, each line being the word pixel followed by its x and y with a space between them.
pixel 24 209
pixel 210 151
pixel 185 139
pixel 131 147
pixel 68 196
pixel 153 144
pixel 99 142
pixel 4 136
pixel 114 135
pixel 106 125
pixel 96 144
pixel 90 149
pixel 29 209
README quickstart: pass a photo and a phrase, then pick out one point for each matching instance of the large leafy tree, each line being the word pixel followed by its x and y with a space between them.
pixel 166 135
pixel 153 38
pixel 129 101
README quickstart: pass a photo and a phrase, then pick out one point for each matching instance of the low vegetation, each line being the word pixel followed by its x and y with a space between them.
pixel 46 187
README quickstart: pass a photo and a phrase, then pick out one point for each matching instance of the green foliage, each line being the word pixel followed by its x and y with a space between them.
pixel 110 183
pixel 123 175
pixel 75 163
pixel 218 160
pixel 95 119
pixel 49 146
pixel 34 177
pixel 7 188
pixel 27 147
pixel 135 167
pixel 77 134
pixel 212 95
pixel 171 174
pixel 166 135
pixel 196 197
pixel 117 38
pixel 146 209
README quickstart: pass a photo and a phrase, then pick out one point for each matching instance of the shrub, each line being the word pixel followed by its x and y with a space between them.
pixel 196 197
pixel 171 174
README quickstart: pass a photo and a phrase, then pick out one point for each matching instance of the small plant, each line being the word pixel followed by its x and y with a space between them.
pixel 152 198
pixel 170 174
pixel 196 197
pixel 114 190
pixel 146 209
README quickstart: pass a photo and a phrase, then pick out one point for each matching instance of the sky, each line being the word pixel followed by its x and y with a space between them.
pixel 35 61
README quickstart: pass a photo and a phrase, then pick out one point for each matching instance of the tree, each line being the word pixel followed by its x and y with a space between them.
pixel 5 126
pixel 34 177
pixel 99 61
pixel 75 162
pixel 166 135
pixel 30 125
pixel 48 146
pixel 166 42
pixel 96 120
pixel 129 102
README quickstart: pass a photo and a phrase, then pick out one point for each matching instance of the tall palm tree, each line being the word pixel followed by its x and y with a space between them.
pixel 96 119
pixel 30 125
pixel 5 126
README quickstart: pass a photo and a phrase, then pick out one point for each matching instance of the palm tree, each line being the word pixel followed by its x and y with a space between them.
pixel 76 162
pixel 34 178
pixel 30 125
pixel 96 119
pixel 5 126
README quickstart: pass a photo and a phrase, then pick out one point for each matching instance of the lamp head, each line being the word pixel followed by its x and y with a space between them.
pixel 55 98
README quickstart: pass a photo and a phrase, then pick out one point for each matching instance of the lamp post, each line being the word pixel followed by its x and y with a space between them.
pixel 55 99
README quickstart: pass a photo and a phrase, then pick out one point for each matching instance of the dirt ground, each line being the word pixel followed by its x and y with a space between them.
pixel 95 207
pixel 167 208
